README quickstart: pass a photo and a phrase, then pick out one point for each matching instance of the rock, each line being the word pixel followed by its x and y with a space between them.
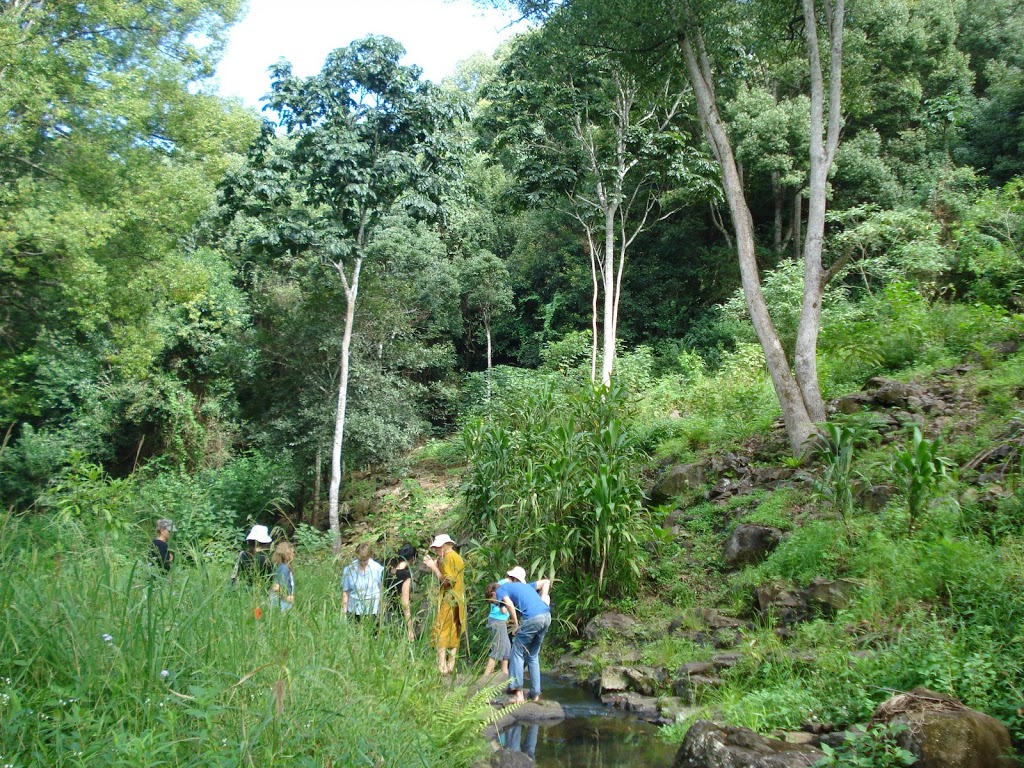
pixel 645 680
pixel 894 394
pixel 611 623
pixel 830 596
pixel 943 733
pixel 508 758
pixel 708 745
pixel 543 711
pixel 873 497
pixel 677 480
pixel 715 620
pixel 726 660
pixel 673 710
pixel 750 544
pixel 688 688
pixel 697 668
pixel 643 707
pixel 612 679
pixel 850 404
pixel 786 605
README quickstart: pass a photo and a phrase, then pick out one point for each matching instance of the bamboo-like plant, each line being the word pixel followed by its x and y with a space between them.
pixel 553 483
pixel 919 472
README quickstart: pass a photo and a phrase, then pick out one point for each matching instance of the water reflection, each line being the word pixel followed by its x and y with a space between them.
pixel 589 742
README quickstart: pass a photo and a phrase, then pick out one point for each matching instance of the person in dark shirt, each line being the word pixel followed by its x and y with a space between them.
pixel 398 587
pixel 253 563
pixel 162 556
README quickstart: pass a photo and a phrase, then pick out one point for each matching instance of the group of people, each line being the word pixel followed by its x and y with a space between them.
pixel 519 610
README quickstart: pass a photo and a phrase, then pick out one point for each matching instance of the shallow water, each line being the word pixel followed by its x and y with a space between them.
pixel 591 736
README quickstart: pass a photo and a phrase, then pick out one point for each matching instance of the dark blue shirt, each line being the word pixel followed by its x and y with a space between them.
pixel 524 597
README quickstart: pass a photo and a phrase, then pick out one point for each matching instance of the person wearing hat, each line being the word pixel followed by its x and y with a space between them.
pixel 450 623
pixel 253 563
pixel 162 556
pixel 529 627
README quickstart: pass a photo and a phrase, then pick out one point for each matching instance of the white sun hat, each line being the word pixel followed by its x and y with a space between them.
pixel 441 540
pixel 259 533
pixel 518 574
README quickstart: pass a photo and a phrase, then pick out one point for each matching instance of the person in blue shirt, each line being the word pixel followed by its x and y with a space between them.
pixel 497 623
pixel 361 584
pixel 529 626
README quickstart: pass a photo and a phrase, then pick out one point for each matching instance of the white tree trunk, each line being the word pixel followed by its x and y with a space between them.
pixel 351 294
pixel 487 332
pixel 822 152
pixel 608 279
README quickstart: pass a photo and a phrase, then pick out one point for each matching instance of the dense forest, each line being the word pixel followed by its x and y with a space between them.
pixel 642 232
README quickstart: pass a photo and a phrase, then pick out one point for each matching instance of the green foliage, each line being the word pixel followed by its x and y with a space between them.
pixel 552 484
pixel 179 670
pixel 834 448
pixel 919 472
pixel 875 747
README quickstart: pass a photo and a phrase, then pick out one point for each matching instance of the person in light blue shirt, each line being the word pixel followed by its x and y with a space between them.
pixel 361 585
pixel 529 627
pixel 497 623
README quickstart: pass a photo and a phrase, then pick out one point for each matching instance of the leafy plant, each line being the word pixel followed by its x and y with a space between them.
pixel 919 472
pixel 834 448
pixel 877 747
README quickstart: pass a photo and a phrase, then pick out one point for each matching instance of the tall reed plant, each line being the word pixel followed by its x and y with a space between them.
pixel 553 485
pixel 104 662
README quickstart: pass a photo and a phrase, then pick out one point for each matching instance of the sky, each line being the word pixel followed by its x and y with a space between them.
pixel 437 34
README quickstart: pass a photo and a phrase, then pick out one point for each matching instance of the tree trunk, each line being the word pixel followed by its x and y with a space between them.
pixel 317 482
pixel 608 351
pixel 799 424
pixel 798 222
pixel 351 293
pixel 822 152
pixel 487 332
pixel 777 223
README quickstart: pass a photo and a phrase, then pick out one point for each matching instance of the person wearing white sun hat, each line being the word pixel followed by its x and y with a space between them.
pixel 253 563
pixel 532 601
pixel 450 624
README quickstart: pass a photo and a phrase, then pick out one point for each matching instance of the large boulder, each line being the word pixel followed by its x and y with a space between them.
pixel 750 544
pixel 708 745
pixel 508 758
pixel 786 605
pixel 830 595
pixel 943 733
pixel 678 480
pixel 611 623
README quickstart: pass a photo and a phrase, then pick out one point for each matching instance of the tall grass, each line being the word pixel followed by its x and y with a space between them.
pixel 105 663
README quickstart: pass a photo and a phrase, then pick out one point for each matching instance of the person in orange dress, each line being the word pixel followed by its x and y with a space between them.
pixel 450 624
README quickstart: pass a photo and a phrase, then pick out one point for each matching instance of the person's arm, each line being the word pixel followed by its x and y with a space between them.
pixel 345 589
pixel 431 564
pixel 543 586
pixel 512 615
pixel 407 607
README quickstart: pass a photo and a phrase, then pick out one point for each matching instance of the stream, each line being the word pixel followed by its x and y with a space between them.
pixel 591 736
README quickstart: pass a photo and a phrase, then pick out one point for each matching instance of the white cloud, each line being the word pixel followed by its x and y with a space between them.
pixel 436 35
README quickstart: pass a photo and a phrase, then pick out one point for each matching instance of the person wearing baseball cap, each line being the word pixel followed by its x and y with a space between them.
pixel 450 624
pixel 529 627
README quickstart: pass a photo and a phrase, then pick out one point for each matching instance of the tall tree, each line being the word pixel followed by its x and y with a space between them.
pixel 364 133
pixel 702 32
pixel 597 143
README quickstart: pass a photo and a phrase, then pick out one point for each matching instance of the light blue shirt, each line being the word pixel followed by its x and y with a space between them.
pixel 363 587
pixel 496 613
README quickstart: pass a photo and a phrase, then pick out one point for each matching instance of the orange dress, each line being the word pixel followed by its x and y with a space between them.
pixel 451 609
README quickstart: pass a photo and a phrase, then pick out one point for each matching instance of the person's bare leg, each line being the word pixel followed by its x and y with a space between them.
pixel 441 652
pixel 452 656
pixel 504 667
pixel 489 668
